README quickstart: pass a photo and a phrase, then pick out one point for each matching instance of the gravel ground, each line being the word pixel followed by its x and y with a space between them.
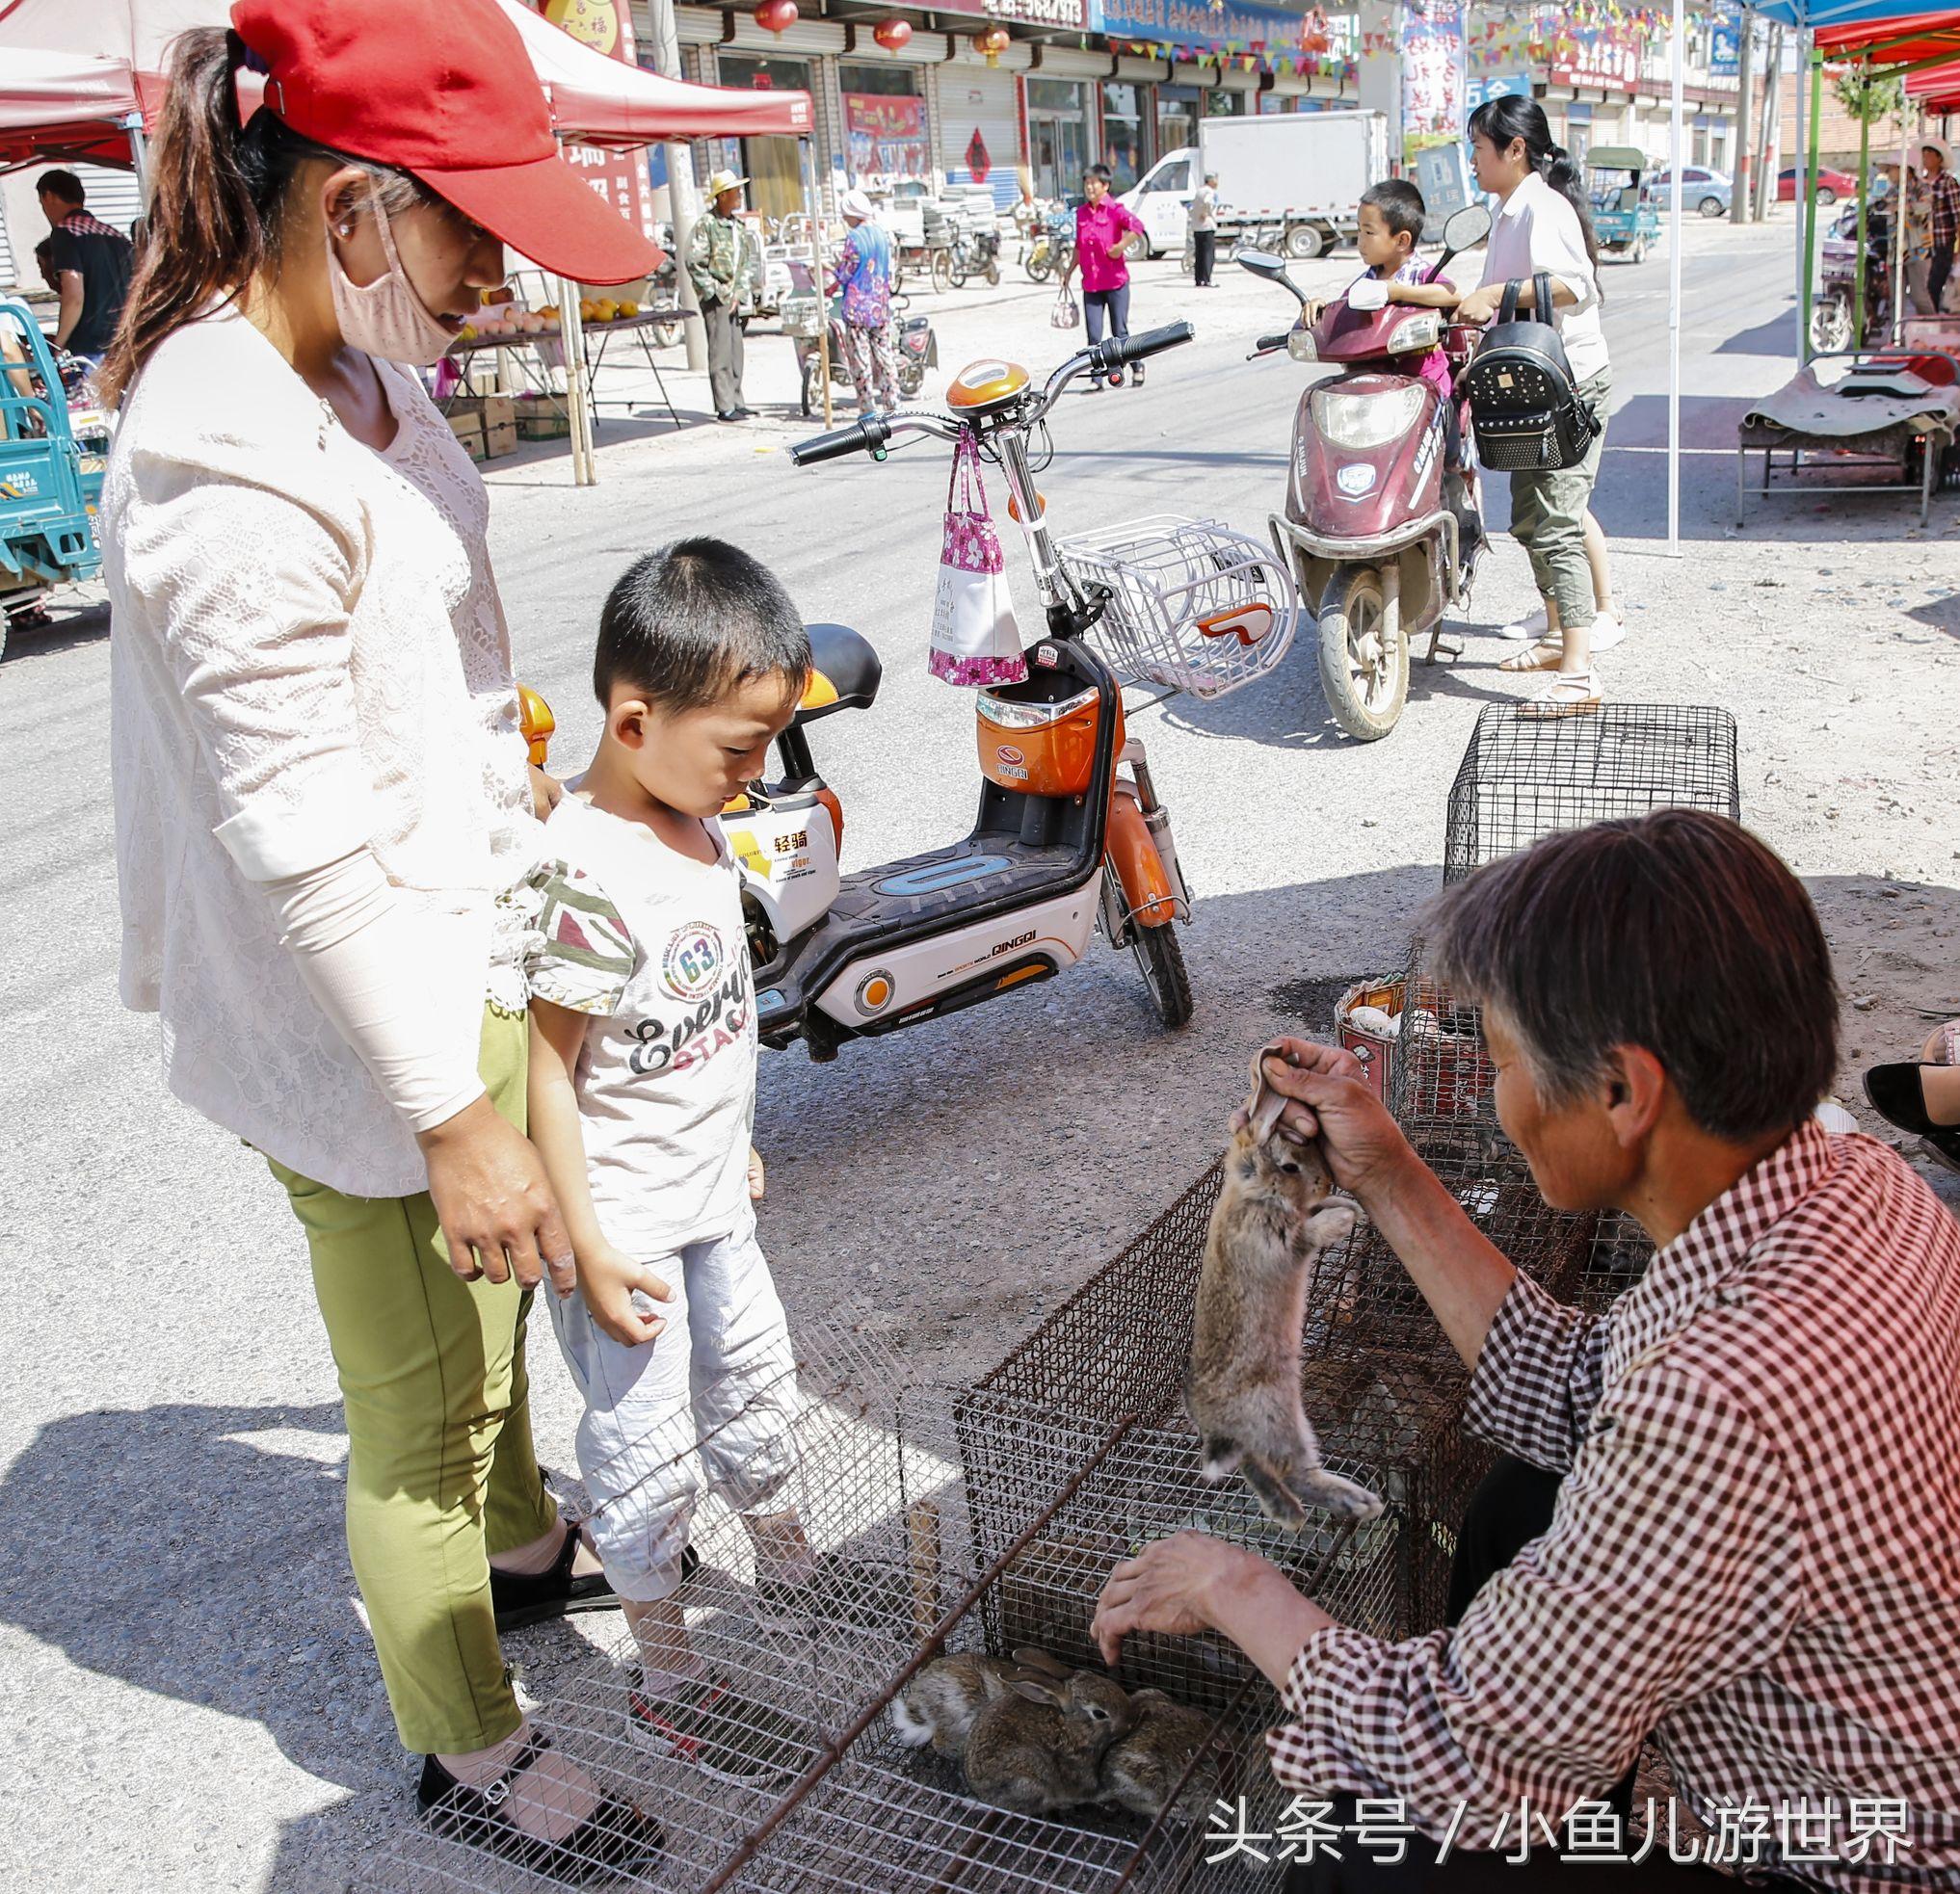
pixel 183 1671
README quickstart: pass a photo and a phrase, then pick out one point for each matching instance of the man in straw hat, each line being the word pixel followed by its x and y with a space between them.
pixel 722 256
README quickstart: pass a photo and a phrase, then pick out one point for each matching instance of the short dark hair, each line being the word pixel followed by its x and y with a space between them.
pixel 1400 205
pixel 1678 932
pixel 62 184
pixel 687 624
pixel 1100 171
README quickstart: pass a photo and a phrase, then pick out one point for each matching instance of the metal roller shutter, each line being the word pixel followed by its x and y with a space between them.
pixel 7 270
pixel 980 98
pixel 113 196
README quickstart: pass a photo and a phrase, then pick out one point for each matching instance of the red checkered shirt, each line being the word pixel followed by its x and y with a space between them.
pixel 1946 193
pixel 1755 1552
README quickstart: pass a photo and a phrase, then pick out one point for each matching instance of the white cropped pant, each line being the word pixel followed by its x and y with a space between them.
pixel 706 1406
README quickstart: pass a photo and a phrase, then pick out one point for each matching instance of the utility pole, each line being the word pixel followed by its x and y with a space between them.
pixel 1769 136
pixel 681 198
pixel 1742 179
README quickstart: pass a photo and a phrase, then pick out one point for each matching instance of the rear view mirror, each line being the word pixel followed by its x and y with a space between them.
pixel 1261 263
pixel 1466 229
pixel 1369 294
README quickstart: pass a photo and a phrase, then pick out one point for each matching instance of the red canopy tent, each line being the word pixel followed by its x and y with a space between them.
pixel 72 107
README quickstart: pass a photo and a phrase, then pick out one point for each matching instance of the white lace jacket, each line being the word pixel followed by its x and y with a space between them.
pixel 307 657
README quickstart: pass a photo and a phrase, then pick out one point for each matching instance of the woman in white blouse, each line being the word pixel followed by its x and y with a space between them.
pixel 1542 226
pixel 321 795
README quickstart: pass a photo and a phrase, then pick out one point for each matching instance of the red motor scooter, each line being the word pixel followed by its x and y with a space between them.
pixel 1382 530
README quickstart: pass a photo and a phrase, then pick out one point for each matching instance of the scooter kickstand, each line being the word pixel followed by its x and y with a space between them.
pixel 1450 647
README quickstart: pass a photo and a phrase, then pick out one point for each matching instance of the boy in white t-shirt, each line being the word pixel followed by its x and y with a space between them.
pixel 642 1097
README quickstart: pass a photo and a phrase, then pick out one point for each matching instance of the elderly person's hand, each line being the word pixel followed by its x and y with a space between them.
pixel 1191 1583
pixel 1364 1145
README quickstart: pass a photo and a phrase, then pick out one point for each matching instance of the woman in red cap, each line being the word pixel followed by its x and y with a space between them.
pixel 324 818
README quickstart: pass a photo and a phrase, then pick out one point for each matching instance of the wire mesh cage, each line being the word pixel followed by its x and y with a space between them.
pixel 1193 606
pixel 1521 778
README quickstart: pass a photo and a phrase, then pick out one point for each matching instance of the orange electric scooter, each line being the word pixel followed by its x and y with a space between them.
pixel 1070 832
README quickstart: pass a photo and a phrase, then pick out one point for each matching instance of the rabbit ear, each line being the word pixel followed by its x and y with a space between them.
pixel 1032 1658
pixel 1037 1690
pixel 1263 1105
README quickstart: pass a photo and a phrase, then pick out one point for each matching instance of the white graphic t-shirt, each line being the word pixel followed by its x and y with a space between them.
pixel 650 944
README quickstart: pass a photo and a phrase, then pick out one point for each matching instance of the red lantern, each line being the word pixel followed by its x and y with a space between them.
pixel 893 34
pixel 991 42
pixel 775 15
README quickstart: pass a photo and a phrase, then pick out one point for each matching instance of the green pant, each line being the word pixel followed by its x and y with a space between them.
pixel 440 1470
pixel 1549 519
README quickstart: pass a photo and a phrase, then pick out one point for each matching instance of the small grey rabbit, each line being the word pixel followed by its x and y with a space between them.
pixel 938 1706
pixel 1039 1749
pixel 1243 1390
pixel 1141 1767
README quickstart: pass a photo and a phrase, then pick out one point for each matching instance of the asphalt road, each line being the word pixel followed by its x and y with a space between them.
pixel 188 1696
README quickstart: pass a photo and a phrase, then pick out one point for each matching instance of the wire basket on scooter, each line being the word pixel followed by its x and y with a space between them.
pixel 1193 606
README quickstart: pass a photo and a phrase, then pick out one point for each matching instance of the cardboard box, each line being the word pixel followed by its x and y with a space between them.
pixel 468 430
pixel 541 423
pixel 488 410
pixel 500 439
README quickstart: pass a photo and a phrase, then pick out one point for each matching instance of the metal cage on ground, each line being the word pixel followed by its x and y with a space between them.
pixel 1522 778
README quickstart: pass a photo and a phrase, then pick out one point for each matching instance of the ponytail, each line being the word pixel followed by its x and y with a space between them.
pixel 1508 117
pixel 219 191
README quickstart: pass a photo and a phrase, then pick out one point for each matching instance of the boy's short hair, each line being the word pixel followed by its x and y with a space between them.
pixel 1400 205
pixel 1678 932
pixel 687 624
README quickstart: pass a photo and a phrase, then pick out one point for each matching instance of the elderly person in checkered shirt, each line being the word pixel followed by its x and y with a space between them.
pixel 1731 1515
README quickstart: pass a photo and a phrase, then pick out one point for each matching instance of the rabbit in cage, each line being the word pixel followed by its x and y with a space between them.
pixel 1141 1767
pixel 1038 1749
pixel 1271 1224
pixel 938 1706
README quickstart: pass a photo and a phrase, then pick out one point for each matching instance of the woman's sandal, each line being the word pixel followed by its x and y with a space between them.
pixel 1570 694
pixel 613 1837
pixel 1544 655
pixel 1898 1096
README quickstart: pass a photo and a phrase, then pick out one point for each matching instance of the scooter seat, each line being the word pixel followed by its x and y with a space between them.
pixel 844 673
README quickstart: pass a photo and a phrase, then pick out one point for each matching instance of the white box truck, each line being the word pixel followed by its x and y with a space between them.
pixel 1290 182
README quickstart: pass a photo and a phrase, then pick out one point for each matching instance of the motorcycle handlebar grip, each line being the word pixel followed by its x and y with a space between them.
pixel 1114 353
pixel 867 431
pixel 1266 342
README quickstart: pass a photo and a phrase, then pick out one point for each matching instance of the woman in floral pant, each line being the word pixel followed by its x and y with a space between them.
pixel 864 277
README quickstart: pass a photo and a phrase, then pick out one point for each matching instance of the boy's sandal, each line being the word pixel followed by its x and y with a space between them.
pixel 1544 655
pixel 613 1837
pixel 521 1598
pixel 1571 694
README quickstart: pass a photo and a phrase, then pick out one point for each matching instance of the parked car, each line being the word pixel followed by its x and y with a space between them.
pixel 1704 190
pixel 1831 184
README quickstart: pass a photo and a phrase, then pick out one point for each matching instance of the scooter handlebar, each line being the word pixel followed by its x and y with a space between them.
pixel 1267 344
pixel 1115 351
pixel 864 436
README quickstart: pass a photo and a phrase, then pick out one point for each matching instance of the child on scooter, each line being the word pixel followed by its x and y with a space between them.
pixel 641 1096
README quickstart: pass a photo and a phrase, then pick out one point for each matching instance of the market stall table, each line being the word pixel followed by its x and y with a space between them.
pixel 546 349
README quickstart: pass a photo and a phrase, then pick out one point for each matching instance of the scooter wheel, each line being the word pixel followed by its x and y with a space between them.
pixel 1038 267
pixel 1364 674
pixel 993 275
pixel 910 379
pixel 809 386
pixel 1162 960
pixel 941 272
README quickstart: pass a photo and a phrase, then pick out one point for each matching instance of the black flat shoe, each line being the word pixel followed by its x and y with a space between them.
pixel 1899 1098
pixel 521 1598
pixel 614 1836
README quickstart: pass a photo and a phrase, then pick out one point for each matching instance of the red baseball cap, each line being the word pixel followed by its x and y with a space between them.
pixel 446 92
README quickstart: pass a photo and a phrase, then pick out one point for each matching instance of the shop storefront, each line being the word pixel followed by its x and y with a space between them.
pixel 771 165
pixel 885 124
pixel 1127 146
pixel 1177 110
pixel 1058 135
pixel 980 126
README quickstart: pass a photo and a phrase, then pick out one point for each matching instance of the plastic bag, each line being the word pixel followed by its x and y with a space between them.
pixel 975 639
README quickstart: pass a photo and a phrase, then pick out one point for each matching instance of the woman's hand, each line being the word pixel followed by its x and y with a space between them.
pixel 757 1177
pixel 608 1277
pixel 1170 1587
pixel 1364 1145
pixel 1481 304
pixel 495 1204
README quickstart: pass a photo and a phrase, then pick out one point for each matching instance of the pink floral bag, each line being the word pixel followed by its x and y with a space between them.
pixel 975 639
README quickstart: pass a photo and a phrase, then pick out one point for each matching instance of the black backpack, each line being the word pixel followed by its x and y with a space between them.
pixel 1523 402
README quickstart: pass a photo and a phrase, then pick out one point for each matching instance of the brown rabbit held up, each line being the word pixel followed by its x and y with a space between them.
pixel 1039 1749
pixel 1243 1390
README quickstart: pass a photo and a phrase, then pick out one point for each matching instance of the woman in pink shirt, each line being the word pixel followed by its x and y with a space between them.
pixel 1103 226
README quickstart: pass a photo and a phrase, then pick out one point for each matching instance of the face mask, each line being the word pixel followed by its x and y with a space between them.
pixel 385 317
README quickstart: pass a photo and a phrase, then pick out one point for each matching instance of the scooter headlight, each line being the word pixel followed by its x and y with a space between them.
pixel 1413 333
pixel 1366 420
pixel 1300 345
